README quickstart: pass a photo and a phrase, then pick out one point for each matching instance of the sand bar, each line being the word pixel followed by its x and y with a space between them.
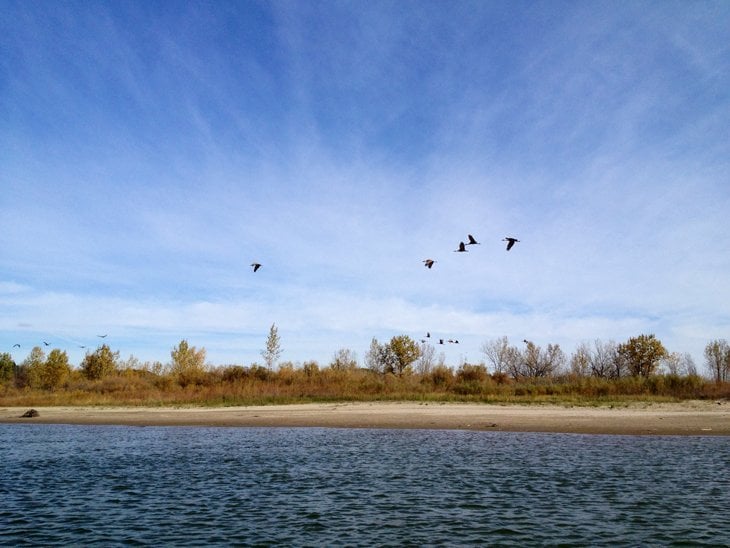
pixel 700 418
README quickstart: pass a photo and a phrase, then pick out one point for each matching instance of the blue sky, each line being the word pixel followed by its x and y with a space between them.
pixel 150 151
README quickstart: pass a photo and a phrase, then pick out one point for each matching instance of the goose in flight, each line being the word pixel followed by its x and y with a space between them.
pixel 472 241
pixel 428 263
pixel 462 248
pixel 256 266
pixel 510 242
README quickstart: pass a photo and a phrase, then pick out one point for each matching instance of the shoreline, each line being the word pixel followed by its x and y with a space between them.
pixel 691 418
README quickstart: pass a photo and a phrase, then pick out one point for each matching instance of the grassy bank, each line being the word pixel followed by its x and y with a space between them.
pixel 258 386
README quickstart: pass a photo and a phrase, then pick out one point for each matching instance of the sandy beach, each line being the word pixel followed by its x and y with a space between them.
pixel 686 418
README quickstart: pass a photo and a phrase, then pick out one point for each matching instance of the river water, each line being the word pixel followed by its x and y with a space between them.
pixel 185 486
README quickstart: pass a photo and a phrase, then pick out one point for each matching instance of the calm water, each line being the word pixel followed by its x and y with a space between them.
pixel 191 486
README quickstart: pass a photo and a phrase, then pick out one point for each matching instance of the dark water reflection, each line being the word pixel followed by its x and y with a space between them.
pixel 194 486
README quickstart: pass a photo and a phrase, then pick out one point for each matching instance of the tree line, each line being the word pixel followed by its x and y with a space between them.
pixel 639 357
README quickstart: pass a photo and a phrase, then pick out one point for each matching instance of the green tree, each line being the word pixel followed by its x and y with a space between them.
pixel 273 348
pixel 31 370
pixel 406 352
pixel 642 354
pixel 717 354
pixel 7 368
pixel 56 370
pixel 100 363
pixel 188 363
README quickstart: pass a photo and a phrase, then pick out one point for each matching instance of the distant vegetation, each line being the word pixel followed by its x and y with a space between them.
pixel 601 372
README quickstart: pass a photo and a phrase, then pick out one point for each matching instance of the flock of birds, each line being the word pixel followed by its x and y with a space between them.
pixel 430 262
pixel 46 343
pixel 471 241
pixel 441 341
pixel 427 262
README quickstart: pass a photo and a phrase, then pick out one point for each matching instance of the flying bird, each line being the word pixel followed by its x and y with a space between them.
pixel 441 341
pixel 462 248
pixel 428 263
pixel 46 343
pixel 16 345
pixel 256 266
pixel 428 334
pixel 472 241
pixel 102 336
pixel 510 242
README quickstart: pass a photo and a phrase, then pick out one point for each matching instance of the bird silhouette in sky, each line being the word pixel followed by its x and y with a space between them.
pixel 256 266
pixel 46 343
pixel 462 248
pixel 102 336
pixel 428 262
pixel 16 345
pixel 472 241
pixel 428 334
pixel 510 242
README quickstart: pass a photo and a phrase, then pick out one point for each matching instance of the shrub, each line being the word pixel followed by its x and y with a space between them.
pixel 442 376
pixel 472 373
pixel 234 373
pixel 468 388
pixel 310 368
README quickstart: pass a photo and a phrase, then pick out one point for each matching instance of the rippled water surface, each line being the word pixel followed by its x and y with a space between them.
pixel 193 486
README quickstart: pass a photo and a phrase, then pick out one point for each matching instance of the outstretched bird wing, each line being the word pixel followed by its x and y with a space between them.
pixel 510 242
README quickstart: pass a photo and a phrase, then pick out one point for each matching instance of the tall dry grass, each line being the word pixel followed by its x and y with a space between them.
pixel 235 385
